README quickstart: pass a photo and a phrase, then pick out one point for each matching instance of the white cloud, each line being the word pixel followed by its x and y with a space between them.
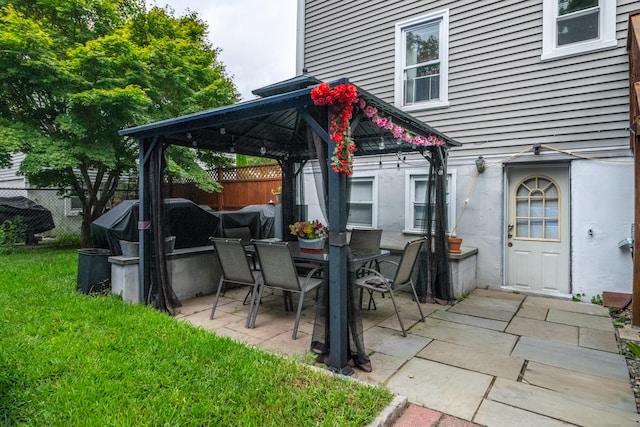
pixel 257 37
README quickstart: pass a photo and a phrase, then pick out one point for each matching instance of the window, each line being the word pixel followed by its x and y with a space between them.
pixel 72 206
pixel 362 202
pixel 416 191
pixel 422 62
pixel 572 27
pixel 537 201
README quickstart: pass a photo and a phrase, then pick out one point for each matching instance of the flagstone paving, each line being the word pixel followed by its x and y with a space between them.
pixel 495 359
pixel 572 357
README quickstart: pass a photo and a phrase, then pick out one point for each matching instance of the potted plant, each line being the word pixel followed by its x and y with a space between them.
pixel 454 244
pixel 277 192
pixel 311 234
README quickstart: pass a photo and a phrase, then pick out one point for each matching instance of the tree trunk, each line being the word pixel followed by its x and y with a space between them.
pixel 85 232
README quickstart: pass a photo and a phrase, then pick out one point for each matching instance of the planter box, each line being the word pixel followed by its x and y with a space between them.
pixel 193 272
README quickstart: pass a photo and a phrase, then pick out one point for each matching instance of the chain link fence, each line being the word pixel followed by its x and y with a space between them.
pixel 30 214
pixel 26 213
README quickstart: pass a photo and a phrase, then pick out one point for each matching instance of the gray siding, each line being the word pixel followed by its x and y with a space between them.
pixel 502 97
pixel 9 177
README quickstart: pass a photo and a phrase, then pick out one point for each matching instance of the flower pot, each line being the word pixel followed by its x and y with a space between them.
pixel 132 249
pixel 311 245
pixel 454 245
pixel 129 249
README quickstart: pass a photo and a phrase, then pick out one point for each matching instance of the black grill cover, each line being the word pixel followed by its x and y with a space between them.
pixel 191 225
pixel 37 218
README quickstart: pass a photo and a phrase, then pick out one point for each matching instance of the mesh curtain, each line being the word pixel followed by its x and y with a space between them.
pixel 433 282
pixel 161 294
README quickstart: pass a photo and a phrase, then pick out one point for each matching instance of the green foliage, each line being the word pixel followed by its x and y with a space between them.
pixel 242 160
pixel 577 297
pixel 634 348
pixel 596 299
pixel 619 322
pixel 72 74
pixel 13 231
pixel 68 359
pixel 66 240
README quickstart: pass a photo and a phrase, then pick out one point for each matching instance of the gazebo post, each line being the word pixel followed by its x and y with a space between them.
pixel 288 196
pixel 338 283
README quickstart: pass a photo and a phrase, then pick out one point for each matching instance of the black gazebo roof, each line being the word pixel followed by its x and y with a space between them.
pixel 275 126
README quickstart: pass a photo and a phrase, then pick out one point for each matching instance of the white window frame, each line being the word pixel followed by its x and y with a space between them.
pixel 373 178
pixel 411 176
pixel 400 53
pixel 69 210
pixel 607 32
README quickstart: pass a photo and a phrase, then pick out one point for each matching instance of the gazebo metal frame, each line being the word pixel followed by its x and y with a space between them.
pixel 285 125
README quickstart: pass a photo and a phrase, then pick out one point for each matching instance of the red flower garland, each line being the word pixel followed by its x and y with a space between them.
pixel 341 99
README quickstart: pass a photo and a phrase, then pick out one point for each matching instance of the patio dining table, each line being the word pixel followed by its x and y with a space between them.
pixel 320 339
pixel 358 256
pixel 321 329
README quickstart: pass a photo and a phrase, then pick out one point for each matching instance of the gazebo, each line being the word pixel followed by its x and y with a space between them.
pixel 294 122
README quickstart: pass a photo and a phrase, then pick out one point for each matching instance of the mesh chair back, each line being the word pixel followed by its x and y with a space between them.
pixel 365 238
pixel 233 260
pixel 408 261
pixel 277 265
pixel 242 233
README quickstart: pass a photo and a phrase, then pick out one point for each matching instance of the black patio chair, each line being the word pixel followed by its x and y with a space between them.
pixel 279 272
pixel 374 281
pixel 235 270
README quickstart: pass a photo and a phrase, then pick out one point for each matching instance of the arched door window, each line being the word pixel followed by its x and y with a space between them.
pixel 537 201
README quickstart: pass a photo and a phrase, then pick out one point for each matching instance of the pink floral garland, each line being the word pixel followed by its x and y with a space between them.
pixel 398 131
pixel 341 99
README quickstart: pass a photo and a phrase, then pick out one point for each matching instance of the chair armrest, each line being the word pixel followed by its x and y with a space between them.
pixel 388 261
pixel 312 272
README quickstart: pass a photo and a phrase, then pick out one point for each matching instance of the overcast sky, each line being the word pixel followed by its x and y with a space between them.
pixel 257 37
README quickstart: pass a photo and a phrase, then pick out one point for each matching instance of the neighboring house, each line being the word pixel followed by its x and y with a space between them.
pixel 538 88
pixel 65 210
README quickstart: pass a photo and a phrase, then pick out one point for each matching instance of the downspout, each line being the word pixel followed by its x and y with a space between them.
pixel 300 37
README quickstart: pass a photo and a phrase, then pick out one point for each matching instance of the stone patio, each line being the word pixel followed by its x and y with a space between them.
pixel 494 358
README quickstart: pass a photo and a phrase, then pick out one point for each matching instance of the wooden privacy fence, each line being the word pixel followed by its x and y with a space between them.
pixel 242 186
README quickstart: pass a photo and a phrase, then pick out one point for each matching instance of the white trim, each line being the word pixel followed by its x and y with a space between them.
pixel 409 192
pixel 300 37
pixel 69 210
pixel 373 178
pixel 443 17
pixel 607 32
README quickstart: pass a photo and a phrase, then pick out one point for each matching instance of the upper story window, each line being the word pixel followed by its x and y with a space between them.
pixel 363 202
pixel 422 58
pixel 572 27
pixel 416 195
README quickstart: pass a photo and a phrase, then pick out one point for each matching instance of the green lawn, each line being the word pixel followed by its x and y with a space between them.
pixel 68 359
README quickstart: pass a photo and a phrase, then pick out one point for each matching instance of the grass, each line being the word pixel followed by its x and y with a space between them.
pixel 71 359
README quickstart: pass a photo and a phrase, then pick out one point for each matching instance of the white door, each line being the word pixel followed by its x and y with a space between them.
pixel 538 229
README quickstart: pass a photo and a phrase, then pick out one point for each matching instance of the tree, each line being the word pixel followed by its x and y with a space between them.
pixel 73 73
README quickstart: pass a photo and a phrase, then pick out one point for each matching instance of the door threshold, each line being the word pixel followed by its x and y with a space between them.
pixel 542 293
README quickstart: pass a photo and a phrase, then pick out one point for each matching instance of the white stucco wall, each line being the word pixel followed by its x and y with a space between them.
pixel 480 223
pixel 601 201
pixel 605 206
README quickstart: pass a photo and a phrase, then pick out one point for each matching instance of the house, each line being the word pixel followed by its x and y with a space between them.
pixel 537 92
